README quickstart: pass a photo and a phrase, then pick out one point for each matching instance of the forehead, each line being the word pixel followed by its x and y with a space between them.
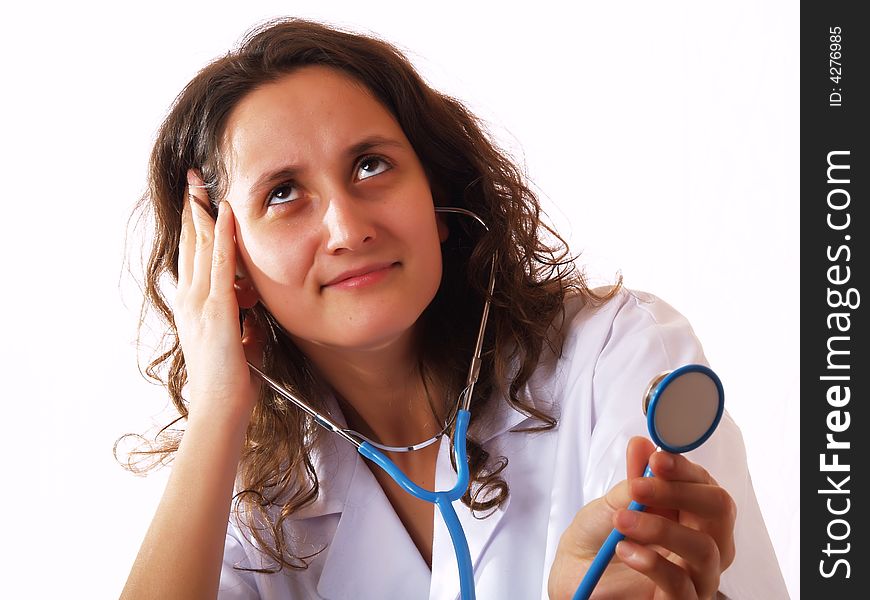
pixel 312 112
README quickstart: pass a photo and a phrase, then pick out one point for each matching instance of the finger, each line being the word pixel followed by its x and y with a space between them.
pixel 186 246
pixel 678 467
pixel 673 580
pixel 685 486
pixel 617 497
pixel 637 455
pixel 698 550
pixel 708 501
pixel 223 259
pixel 594 522
pixel 204 226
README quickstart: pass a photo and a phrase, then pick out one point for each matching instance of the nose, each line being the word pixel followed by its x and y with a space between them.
pixel 347 223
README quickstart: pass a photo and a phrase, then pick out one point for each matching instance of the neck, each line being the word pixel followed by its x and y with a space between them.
pixel 381 390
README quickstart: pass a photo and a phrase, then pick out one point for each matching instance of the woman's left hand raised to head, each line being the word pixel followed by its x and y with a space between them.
pixel 677 549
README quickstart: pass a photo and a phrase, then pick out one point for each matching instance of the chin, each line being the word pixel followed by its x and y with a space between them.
pixel 357 335
pixel 374 337
pixel 362 326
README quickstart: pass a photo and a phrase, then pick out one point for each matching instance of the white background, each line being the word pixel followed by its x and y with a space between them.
pixel 663 138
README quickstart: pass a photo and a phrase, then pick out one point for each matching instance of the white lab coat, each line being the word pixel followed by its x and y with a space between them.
pixel 595 390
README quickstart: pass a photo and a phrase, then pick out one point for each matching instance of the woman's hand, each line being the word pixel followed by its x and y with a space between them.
pixel 676 549
pixel 206 312
pixel 181 554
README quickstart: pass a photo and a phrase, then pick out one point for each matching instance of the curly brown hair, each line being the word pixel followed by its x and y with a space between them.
pixel 534 271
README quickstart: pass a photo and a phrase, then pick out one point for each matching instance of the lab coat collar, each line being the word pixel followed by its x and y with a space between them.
pixel 369 545
pixel 500 419
pixel 335 460
pixel 370 541
pixel 499 416
pixel 479 531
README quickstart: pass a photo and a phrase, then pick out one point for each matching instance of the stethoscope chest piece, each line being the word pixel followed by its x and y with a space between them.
pixel 683 407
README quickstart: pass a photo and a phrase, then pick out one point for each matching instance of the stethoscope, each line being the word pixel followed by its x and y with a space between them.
pixel 683 408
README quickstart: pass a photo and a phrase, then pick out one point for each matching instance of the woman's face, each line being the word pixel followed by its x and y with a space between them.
pixel 335 222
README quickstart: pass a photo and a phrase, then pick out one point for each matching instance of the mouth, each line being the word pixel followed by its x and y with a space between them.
pixel 362 276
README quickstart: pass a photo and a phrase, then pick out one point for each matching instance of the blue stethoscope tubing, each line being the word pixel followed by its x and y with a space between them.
pixel 443 500
pixel 608 548
pixel 605 554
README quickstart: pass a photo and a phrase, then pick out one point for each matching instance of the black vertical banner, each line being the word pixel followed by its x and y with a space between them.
pixel 835 368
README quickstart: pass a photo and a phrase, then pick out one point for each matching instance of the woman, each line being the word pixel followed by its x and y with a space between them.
pixel 295 183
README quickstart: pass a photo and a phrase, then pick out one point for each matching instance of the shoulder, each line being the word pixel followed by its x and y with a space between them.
pixel 596 384
pixel 600 358
pixel 598 353
pixel 633 329
pixel 628 312
pixel 608 355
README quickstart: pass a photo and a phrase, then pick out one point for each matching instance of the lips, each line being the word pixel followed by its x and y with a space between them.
pixel 360 275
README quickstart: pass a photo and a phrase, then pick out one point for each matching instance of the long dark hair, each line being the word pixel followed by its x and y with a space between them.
pixel 535 273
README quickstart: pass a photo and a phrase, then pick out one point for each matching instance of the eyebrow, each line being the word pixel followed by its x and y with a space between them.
pixel 291 171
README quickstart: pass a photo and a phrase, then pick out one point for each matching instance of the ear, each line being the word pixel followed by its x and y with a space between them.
pixel 246 294
pixel 443 229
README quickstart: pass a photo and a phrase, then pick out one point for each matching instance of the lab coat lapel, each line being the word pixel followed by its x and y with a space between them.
pixel 479 532
pixel 502 417
pixel 371 554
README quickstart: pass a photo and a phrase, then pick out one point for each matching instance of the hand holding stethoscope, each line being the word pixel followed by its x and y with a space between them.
pixel 688 517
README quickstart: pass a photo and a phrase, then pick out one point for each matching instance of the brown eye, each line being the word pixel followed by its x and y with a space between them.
pixel 370 166
pixel 282 194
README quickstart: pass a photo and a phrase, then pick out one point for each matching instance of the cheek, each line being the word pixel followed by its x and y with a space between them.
pixel 273 257
pixel 427 230
pixel 429 239
pixel 417 212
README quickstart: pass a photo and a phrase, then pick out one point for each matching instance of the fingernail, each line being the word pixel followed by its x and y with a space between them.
pixel 666 462
pixel 642 487
pixel 627 519
pixel 625 550
pixel 192 178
